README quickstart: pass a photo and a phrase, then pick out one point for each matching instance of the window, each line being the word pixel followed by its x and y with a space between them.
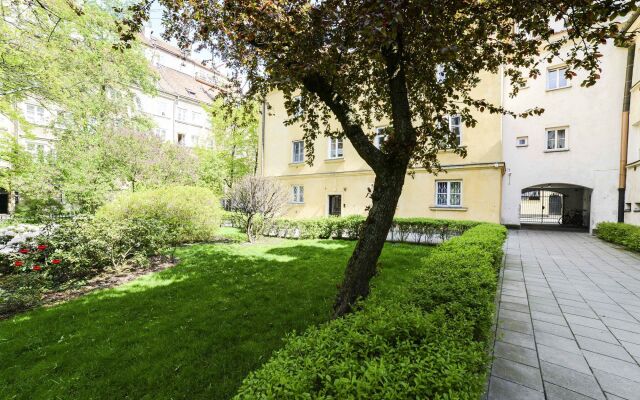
pixel 441 74
pixel 35 114
pixel 627 207
pixel 161 133
pixel 522 141
pixel 181 139
pixel 162 108
pixel 335 148
pixel 182 114
pixel 194 140
pixel 195 117
pixel 298 194
pixel 380 137
pixel 298 151
pixel 297 104
pixel 556 78
pixel 455 126
pixel 556 139
pixel 448 193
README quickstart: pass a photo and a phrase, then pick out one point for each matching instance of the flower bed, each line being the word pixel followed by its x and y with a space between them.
pixel 431 341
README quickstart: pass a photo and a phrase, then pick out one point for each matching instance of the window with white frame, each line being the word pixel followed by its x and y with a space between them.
pixel 448 193
pixel 196 117
pixel 522 141
pixel 441 74
pixel 297 151
pixel 181 114
pixel 297 103
pixel 455 126
pixel 35 114
pixel 557 139
pixel 298 194
pixel 556 78
pixel 380 137
pixel 335 148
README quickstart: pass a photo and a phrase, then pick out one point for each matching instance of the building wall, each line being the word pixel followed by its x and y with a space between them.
pixel 480 172
pixel 632 195
pixel 592 117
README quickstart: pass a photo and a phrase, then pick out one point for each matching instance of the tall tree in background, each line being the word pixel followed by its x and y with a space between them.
pixel 410 62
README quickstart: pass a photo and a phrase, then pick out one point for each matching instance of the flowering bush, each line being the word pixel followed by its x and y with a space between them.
pixel 35 258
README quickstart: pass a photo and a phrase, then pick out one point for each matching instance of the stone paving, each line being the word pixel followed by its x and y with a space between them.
pixel 568 321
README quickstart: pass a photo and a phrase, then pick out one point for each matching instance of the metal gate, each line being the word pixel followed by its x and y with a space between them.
pixel 541 207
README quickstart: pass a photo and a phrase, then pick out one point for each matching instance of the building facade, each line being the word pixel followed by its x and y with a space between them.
pixel 563 168
pixel 339 181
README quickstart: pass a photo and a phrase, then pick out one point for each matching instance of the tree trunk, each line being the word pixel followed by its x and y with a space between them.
pixel 362 264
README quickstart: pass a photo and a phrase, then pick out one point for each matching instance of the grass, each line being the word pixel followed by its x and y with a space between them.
pixel 191 332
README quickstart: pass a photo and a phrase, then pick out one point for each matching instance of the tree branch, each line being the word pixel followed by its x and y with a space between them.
pixel 317 84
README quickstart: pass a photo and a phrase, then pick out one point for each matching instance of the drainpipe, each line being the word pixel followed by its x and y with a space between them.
pixel 624 135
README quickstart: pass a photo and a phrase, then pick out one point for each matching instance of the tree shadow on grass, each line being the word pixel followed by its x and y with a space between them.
pixel 193 331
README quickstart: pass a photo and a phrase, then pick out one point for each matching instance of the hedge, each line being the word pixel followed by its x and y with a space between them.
pixel 622 234
pixel 431 341
pixel 415 230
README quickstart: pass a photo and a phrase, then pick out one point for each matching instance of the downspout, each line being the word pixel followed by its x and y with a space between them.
pixel 624 134
pixel 264 113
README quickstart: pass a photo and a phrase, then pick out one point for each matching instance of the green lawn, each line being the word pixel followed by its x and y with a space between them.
pixel 192 332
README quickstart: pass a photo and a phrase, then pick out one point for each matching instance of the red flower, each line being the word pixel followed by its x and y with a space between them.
pixel 19 263
pixel 42 246
pixel 24 251
pixel 55 261
pixel 37 268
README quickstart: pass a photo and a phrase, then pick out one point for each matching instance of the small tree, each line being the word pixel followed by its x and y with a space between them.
pixel 257 201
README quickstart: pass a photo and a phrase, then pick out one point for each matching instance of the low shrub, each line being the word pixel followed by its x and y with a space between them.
pixel 417 230
pixel 21 292
pixel 186 213
pixel 622 234
pixel 431 341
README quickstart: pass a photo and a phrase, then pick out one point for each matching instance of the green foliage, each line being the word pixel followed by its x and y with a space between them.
pixel 184 213
pixel 622 234
pixel 420 230
pixel 431 340
pixel 20 292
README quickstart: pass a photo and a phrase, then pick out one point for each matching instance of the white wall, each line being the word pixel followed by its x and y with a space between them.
pixel 593 118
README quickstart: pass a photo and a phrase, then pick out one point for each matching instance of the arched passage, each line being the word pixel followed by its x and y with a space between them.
pixel 556 205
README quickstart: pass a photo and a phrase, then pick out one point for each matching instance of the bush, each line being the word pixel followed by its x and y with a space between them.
pixel 188 214
pixel 21 292
pixel 418 230
pixel 431 341
pixel 622 234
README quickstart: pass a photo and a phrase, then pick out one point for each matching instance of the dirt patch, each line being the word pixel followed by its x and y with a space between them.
pixel 107 280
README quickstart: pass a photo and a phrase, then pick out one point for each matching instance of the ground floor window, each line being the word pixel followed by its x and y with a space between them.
pixel 449 193
pixel 298 194
pixel 335 205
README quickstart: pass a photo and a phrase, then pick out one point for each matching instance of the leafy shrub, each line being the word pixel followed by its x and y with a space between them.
pixel 430 342
pixel 188 214
pixel 21 292
pixel 420 230
pixel 622 234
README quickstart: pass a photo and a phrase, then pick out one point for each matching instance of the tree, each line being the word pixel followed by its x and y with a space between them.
pixel 348 64
pixel 235 133
pixel 257 201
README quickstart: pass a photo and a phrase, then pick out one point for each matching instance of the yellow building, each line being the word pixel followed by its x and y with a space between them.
pixel 339 181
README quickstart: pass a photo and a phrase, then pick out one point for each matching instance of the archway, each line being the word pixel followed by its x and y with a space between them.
pixel 557 205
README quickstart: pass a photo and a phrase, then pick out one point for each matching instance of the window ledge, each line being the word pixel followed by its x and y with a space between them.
pixel 556 150
pixel 296 164
pixel 444 208
pixel 334 160
pixel 296 203
pixel 559 88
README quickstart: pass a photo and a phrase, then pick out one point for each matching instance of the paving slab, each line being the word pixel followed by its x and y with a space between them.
pixel 568 320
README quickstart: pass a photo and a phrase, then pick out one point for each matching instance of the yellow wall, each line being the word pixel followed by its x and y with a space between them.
pixel 480 172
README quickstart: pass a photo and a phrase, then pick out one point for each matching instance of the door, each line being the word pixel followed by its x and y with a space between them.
pixel 335 204
pixel 555 205
pixel 4 202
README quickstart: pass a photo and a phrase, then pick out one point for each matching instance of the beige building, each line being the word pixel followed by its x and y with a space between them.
pixel 339 181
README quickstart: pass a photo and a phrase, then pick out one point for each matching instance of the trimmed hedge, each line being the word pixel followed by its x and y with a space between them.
pixel 431 341
pixel 415 230
pixel 623 234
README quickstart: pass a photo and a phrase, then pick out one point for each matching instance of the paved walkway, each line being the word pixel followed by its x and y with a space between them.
pixel 569 320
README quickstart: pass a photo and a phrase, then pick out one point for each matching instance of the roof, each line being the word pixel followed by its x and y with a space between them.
pixel 155 42
pixel 184 85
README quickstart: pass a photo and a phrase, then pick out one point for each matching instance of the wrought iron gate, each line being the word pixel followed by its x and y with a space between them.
pixel 541 207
